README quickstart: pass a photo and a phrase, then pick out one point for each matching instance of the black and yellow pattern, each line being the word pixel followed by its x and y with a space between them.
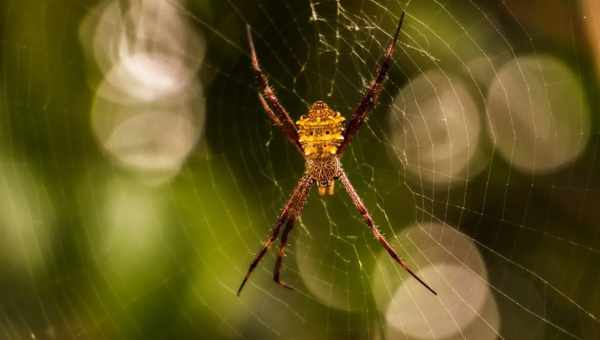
pixel 320 131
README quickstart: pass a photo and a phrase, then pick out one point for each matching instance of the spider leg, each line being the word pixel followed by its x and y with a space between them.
pixel 368 102
pixel 369 220
pixel 274 119
pixel 284 240
pixel 263 251
pixel 284 236
pixel 269 100
pixel 269 112
pixel 290 211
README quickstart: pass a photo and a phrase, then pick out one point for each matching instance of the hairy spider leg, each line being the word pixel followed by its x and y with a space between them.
pixel 279 262
pixel 300 202
pixel 362 209
pixel 269 112
pixel 263 251
pixel 274 118
pixel 369 101
pixel 291 210
pixel 269 99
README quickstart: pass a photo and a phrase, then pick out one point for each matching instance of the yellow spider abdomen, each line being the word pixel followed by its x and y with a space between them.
pixel 320 131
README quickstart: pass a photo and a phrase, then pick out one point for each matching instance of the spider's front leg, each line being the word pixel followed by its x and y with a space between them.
pixel 368 102
pixel 369 220
pixel 268 100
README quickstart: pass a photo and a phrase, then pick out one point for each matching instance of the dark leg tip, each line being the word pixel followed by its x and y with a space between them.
pixel 239 291
pixel 284 285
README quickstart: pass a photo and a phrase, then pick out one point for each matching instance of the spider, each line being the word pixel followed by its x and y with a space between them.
pixel 321 138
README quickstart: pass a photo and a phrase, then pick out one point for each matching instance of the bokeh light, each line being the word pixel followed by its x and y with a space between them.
pixel 152 140
pixel 468 310
pixel 449 262
pixel 538 115
pixel 126 38
pixel 435 128
pixel 149 108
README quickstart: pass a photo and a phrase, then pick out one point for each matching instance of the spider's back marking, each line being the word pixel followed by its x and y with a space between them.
pixel 320 131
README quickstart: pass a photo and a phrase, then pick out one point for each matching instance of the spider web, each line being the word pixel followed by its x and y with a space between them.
pixel 139 176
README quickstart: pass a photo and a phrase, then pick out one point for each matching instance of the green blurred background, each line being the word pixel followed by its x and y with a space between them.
pixel 138 175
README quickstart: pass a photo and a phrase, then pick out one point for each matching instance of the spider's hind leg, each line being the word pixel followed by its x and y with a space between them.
pixel 263 251
pixel 281 254
pixel 290 212
pixel 362 209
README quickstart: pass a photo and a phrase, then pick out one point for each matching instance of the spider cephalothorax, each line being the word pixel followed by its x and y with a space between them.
pixel 321 137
